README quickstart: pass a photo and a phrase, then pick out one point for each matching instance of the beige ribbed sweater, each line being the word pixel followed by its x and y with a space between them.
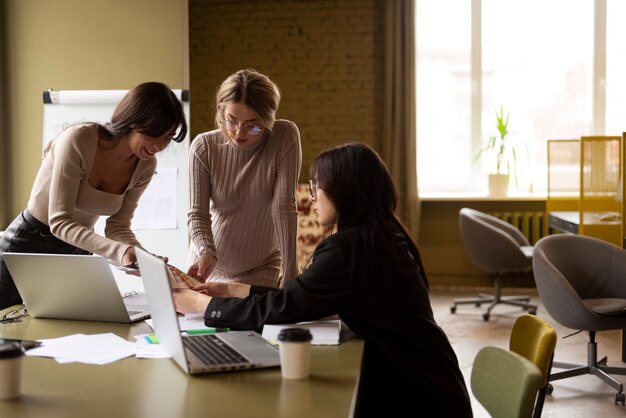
pixel 63 198
pixel 242 203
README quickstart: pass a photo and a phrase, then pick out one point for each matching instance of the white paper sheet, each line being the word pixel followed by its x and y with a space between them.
pixel 187 322
pixel 147 349
pixel 90 349
pixel 157 207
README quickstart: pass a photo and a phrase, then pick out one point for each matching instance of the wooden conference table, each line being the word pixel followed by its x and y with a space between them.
pixel 156 388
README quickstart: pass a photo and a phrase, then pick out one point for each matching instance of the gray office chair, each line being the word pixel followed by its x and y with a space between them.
pixel 582 284
pixel 498 248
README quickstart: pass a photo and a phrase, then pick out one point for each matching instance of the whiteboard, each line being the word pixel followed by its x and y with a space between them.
pixel 160 221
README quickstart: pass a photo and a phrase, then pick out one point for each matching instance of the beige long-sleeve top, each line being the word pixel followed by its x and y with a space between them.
pixel 243 203
pixel 63 198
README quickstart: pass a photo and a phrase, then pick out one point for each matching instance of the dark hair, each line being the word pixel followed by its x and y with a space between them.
pixel 253 89
pixel 358 183
pixel 151 109
pixel 356 180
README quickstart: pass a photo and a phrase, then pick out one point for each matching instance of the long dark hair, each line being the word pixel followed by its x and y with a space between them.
pixel 356 180
pixel 151 109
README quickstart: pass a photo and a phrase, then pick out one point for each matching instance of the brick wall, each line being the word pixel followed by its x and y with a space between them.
pixel 326 57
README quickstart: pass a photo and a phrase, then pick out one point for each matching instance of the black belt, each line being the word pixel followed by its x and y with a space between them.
pixel 34 221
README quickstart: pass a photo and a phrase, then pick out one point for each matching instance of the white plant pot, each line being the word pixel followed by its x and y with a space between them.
pixel 498 185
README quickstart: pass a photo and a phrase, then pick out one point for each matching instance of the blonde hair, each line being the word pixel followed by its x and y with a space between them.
pixel 253 89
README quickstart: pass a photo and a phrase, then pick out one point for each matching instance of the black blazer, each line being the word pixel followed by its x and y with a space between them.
pixel 408 366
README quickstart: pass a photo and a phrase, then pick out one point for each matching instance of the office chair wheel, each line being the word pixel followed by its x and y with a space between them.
pixel 549 389
pixel 452 309
pixel 620 398
pixel 486 317
pixel 533 312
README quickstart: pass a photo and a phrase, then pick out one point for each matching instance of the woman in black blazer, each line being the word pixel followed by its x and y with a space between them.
pixel 369 273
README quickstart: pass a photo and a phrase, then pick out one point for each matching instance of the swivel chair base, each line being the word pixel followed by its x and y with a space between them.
pixel 595 367
pixel 522 301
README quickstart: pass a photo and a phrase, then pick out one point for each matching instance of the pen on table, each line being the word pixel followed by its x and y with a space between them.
pixel 209 330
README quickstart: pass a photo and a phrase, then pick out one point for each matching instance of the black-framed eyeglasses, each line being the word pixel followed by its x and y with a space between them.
pixel 313 189
pixel 249 127
pixel 15 315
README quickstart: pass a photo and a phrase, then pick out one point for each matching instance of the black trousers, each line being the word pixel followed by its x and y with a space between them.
pixel 26 234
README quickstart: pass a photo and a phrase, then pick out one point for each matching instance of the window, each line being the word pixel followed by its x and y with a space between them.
pixel 615 68
pixel 542 61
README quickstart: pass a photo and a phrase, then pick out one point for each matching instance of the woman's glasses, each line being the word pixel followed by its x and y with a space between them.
pixel 15 315
pixel 249 127
pixel 313 189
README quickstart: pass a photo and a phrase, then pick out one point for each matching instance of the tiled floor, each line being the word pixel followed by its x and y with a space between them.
pixel 577 397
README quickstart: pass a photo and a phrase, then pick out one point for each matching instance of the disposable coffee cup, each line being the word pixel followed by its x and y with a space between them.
pixel 11 354
pixel 294 345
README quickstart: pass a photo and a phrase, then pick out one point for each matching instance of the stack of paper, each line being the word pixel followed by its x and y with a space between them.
pixel 324 332
pixel 90 349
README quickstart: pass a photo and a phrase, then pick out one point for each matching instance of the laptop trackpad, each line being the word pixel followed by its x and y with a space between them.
pixel 253 346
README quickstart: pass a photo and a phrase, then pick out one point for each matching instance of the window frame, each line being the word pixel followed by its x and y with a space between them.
pixel 599 65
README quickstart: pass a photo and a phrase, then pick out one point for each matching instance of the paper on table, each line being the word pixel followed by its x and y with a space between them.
pixel 149 350
pixel 90 349
pixel 324 332
pixel 187 322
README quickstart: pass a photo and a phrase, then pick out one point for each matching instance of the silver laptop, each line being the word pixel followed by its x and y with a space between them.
pixel 63 286
pixel 205 353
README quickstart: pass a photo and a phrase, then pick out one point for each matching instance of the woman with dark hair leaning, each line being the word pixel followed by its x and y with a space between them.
pixel 369 273
pixel 243 177
pixel 90 170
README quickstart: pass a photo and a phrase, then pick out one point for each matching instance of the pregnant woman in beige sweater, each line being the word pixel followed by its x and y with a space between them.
pixel 243 177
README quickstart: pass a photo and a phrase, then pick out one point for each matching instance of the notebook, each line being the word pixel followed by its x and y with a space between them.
pixel 64 286
pixel 205 353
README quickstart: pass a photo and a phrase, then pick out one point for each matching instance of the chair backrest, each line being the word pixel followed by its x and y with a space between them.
pixel 535 339
pixel 505 383
pixel 492 244
pixel 572 269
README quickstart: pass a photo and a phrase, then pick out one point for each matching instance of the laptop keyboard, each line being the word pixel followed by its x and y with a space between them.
pixel 211 350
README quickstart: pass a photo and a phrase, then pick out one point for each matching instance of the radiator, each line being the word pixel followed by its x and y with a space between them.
pixel 533 224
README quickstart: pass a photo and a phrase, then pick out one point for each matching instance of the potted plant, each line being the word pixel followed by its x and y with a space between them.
pixel 505 148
